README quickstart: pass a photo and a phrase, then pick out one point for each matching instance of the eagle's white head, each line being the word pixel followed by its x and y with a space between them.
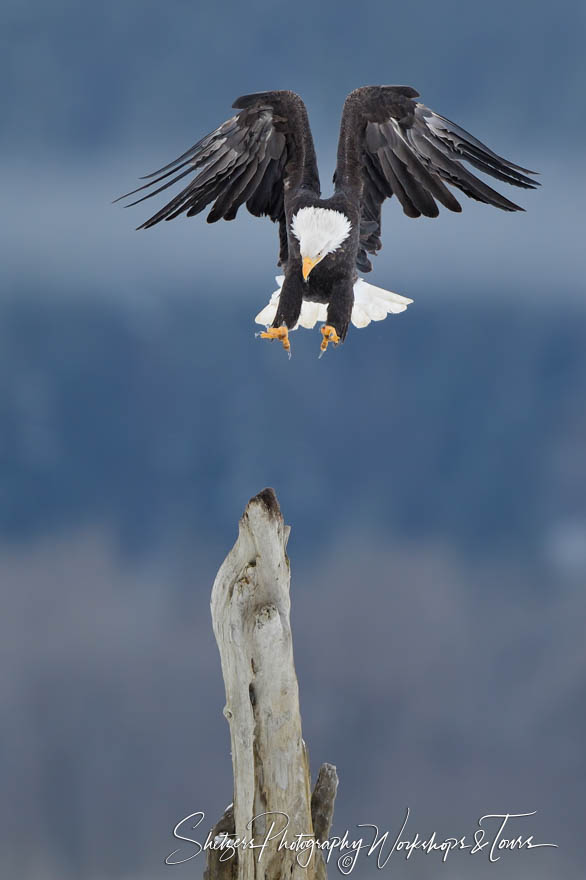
pixel 320 232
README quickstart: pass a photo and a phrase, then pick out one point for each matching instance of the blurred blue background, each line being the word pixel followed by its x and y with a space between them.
pixel 433 468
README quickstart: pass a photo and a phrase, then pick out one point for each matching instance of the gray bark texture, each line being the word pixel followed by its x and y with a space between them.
pixel 250 612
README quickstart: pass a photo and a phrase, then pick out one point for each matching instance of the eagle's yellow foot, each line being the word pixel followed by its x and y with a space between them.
pixel 280 333
pixel 329 335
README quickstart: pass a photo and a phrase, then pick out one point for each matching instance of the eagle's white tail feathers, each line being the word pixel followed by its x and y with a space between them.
pixel 374 303
pixel 370 304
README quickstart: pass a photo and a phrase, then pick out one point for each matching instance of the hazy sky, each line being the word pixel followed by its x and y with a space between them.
pixel 96 96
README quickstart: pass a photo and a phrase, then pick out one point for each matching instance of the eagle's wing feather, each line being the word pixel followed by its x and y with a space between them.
pixel 249 159
pixel 407 150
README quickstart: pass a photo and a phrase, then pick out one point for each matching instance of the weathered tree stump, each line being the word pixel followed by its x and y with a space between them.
pixel 250 613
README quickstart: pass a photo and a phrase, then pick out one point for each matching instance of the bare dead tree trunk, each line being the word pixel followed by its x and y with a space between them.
pixel 250 613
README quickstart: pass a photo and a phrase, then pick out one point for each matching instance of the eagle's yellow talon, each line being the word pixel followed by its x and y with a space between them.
pixel 329 335
pixel 280 333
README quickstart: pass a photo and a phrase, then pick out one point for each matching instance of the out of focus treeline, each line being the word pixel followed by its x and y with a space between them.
pixel 461 423
pixel 433 470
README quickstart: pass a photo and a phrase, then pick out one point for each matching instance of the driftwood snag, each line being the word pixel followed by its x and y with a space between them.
pixel 250 613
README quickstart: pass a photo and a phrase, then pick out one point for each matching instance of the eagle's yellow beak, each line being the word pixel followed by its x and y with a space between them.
pixel 308 264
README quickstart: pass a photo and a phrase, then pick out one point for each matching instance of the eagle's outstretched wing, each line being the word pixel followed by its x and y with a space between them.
pixel 405 149
pixel 248 159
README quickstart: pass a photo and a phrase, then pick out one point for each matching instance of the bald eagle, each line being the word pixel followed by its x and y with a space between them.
pixel 264 157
